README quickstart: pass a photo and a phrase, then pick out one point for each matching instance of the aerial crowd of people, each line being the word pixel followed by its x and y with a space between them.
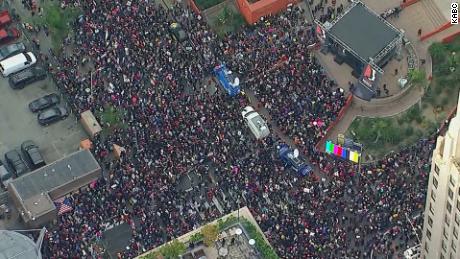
pixel 171 124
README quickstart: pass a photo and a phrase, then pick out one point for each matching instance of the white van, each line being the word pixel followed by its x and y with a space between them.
pixel 255 122
pixel 17 63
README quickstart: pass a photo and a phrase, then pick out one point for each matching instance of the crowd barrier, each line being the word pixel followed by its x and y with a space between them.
pixel 339 117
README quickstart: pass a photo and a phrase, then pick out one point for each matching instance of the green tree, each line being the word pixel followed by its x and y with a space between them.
pixel 210 234
pixel 173 249
pixel 437 51
pixel 418 77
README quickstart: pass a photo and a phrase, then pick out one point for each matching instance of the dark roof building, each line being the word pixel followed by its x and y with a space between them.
pixel 17 246
pixel 34 193
pixel 364 32
pixel 365 41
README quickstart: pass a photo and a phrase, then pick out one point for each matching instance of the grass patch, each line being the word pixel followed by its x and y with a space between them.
pixel 383 135
pixel 205 4
pixel 227 20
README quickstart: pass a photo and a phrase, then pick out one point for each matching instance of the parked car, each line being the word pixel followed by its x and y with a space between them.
pixel 32 155
pixel 15 162
pixel 255 122
pixel 5 175
pixel 8 35
pixel 11 50
pixel 5 18
pixel 52 115
pixel 17 63
pixel 228 80
pixel 44 102
pixel 291 159
pixel 27 77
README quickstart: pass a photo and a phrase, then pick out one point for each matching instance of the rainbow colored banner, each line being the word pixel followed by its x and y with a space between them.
pixel 342 152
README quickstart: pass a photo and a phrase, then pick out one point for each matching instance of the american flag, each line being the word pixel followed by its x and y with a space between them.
pixel 63 205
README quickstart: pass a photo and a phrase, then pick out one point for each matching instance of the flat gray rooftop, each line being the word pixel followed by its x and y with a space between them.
pixel 59 173
pixel 363 32
pixel 18 246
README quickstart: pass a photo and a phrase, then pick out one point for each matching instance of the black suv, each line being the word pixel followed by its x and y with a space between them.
pixel 32 155
pixel 26 77
pixel 15 162
pixel 44 102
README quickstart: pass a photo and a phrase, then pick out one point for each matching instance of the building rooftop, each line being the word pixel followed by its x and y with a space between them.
pixel 17 246
pixel 34 192
pixel 231 226
pixel 57 174
pixel 363 31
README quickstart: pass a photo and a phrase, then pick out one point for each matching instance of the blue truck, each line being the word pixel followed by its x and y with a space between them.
pixel 291 159
pixel 227 80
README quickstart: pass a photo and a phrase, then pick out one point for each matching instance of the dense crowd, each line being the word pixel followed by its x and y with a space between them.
pixel 172 125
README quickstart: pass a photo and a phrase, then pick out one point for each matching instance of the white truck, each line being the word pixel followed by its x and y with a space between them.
pixel 255 122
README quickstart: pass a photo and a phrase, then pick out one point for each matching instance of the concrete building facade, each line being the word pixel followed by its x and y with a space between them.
pixel 441 225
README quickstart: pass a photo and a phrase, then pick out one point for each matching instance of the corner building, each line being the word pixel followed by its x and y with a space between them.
pixel 441 225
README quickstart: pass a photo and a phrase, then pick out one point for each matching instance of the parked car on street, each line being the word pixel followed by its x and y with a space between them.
pixel 5 18
pixel 44 102
pixel 52 115
pixel 291 159
pixel 27 77
pixel 228 80
pixel 11 50
pixel 8 35
pixel 32 155
pixel 255 122
pixel 15 162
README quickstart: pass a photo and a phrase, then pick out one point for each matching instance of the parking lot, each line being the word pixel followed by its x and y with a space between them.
pixel 18 124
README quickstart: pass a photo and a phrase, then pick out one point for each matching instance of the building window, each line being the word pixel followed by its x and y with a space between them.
pixel 430 221
pixel 455 232
pixel 444 233
pixel 435 182
pixel 436 169
pixel 447 220
pixel 457 219
pixel 431 209
pixel 444 246
pixel 426 247
pixel 451 180
pixel 454 246
pixel 458 205
pixel 428 234
pixel 442 256
pixel 449 207
pixel 450 193
pixel 433 196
